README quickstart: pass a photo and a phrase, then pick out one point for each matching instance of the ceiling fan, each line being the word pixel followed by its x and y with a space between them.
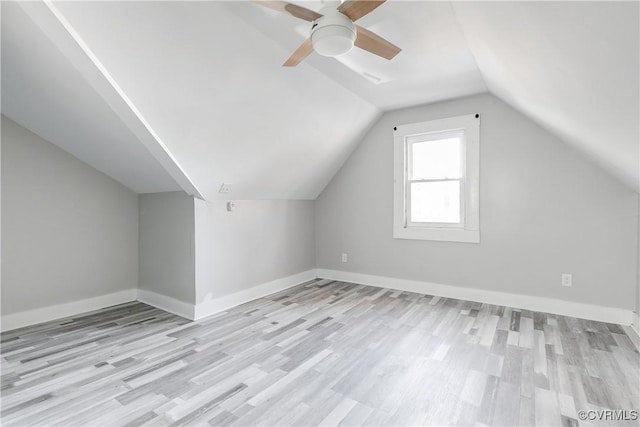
pixel 333 31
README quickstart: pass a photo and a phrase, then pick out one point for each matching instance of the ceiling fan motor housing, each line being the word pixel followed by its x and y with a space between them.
pixel 332 34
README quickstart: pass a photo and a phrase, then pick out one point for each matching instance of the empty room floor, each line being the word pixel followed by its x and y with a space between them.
pixel 323 352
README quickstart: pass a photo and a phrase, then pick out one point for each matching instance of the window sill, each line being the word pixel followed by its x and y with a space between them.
pixel 437 234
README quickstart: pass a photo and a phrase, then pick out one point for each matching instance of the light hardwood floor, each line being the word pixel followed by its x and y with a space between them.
pixel 321 353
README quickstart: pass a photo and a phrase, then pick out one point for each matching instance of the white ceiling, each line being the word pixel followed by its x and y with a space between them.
pixel 213 88
pixel 573 67
pixel 206 80
pixel 435 62
pixel 43 92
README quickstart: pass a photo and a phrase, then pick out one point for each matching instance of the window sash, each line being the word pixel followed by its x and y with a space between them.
pixel 410 140
pixel 414 139
pixel 410 223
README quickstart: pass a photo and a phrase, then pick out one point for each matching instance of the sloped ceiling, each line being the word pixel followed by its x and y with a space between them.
pixel 571 66
pixel 206 78
pixel 208 84
pixel 43 92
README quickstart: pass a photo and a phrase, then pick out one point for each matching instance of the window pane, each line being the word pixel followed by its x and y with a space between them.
pixel 437 159
pixel 435 202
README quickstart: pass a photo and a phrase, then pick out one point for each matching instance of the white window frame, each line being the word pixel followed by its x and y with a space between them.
pixel 468 230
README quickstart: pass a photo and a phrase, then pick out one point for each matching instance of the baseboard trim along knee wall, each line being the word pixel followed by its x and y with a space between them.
pixel 58 311
pixel 216 305
pixel 219 304
pixel 527 302
pixel 163 302
pixel 166 303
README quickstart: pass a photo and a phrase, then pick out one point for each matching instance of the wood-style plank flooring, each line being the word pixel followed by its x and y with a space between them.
pixel 322 353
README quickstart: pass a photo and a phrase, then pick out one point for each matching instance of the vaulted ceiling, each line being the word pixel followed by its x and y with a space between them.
pixel 167 95
pixel 44 92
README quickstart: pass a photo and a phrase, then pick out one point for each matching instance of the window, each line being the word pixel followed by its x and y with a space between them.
pixel 436 190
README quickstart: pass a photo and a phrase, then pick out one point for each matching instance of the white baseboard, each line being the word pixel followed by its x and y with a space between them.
pixel 46 314
pixel 166 303
pixel 633 330
pixel 527 302
pixel 216 305
pixel 225 302
pixel 636 324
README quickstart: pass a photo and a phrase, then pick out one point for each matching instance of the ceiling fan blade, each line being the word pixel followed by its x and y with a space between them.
pixel 302 52
pixel 371 42
pixel 290 9
pixel 356 9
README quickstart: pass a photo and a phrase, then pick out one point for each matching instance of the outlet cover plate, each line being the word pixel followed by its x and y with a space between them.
pixel 225 188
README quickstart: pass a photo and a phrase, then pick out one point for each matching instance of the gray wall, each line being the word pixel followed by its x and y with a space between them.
pixel 545 210
pixel 69 232
pixel 262 240
pixel 167 245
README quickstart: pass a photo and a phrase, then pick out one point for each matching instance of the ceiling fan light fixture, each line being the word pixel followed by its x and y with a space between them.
pixel 332 34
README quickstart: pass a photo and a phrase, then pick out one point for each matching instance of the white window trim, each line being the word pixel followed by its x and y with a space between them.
pixel 470 231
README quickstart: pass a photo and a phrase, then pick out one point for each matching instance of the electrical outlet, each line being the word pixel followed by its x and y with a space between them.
pixel 345 257
pixel 225 188
pixel 567 280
